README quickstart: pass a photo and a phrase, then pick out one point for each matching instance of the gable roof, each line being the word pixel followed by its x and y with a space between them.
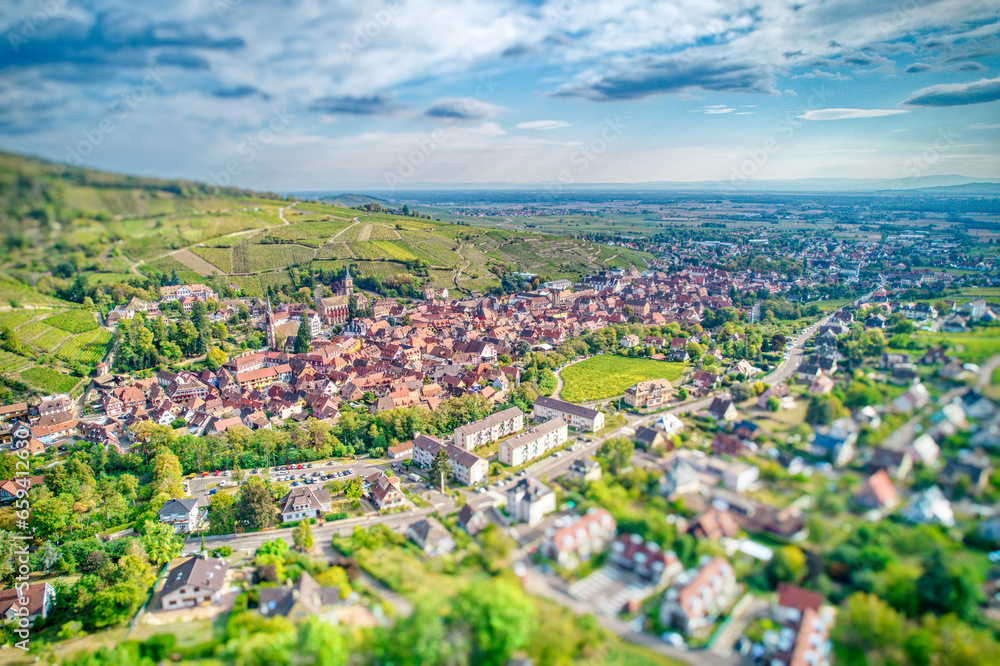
pixel 205 572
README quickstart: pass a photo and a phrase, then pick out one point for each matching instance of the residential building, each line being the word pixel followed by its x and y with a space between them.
pixel 713 525
pixel 303 502
pixel 584 470
pixel 194 582
pixel 577 416
pixel 581 538
pixel 533 443
pixel 485 431
pixel 34 601
pixel 298 601
pixel 646 558
pixel 431 537
pixel 723 409
pixel 650 394
pixel 929 507
pixel 384 491
pixel 699 596
pixel 877 492
pixel 183 514
pixel 529 500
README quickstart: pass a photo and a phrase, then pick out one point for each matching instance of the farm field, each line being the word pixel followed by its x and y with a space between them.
pixel 48 380
pixel 606 376
pixel 72 321
pixel 974 346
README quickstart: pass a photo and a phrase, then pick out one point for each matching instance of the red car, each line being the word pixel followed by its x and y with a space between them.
pixel 299 467
pixel 204 474
pixel 216 473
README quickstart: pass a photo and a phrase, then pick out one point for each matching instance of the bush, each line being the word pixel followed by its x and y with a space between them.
pixel 339 515
pixel 221 551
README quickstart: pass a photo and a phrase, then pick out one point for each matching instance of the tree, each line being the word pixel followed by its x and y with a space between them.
pixel 788 565
pixel 869 630
pixel 773 404
pixel 823 410
pixel 499 618
pixel 215 358
pixel 618 453
pixel 49 555
pixel 740 392
pixel 221 515
pixel 354 489
pixel 303 536
pixel 950 587
pixel 254 509
pixel 303 337
pixel 167 474
pixel 440 467
pixel 160 541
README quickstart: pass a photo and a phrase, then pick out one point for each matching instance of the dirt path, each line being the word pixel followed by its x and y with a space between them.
pixel 350 226
pixel 366 232
pixel 465 264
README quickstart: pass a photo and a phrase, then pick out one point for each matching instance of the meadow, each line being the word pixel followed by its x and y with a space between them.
pixel 607 376
pixel 975 346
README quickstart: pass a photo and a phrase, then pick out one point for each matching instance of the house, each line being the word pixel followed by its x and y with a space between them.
pixel 431 537
pixel 384 491
pixel 668 423
pixel 533 443
pixel 730 445
pixel 9 488
pixel 27 602
pixel 493 427
pixel 743 367
pixel 895 463
pixel 297 602
pixel 194 582
pixel 183 514
pixel 651 438
pixel 713 525
pixel 581 538
pixel 722 409
pixel 740 476
pixel 924 450
pixel 780 392
pixel 576 416
pixel 529 500
pixel 803 635
pixel 584 470
pixel 929 506
pixel 13 412
pixel 699 597
pixel 678 352
pixel 650 394
pixel 704 381
pixel 475 520
pixel 646 558
pixel 914 397
pixel 877 492
pixel 971 468
pixel 630 341
pixel 304 502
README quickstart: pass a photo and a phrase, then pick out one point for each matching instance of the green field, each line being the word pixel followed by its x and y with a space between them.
pixel 607 376
pixel 72 321
pixel 975 346
pixel 48 380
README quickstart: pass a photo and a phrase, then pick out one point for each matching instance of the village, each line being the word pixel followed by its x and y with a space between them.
pixel 668 507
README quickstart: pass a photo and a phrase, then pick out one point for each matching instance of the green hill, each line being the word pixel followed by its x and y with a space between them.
pixel 71 232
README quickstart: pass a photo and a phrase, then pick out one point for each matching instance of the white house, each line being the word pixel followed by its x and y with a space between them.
pixel 183 514
pixel 533 442
pixel 529 500
pixel 304 502
pixel 195 581
pixel 575 415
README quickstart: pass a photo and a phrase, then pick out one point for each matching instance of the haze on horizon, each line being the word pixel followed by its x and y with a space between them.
pixel 386 94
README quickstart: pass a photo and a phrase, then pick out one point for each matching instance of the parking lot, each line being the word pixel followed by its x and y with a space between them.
pixel 202 486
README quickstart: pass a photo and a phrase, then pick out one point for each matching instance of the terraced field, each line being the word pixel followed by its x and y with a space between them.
pixel 88 348
pixel 48 380
pixel 71 336
pixel 262 258
pixel 335 251
pixel 220 257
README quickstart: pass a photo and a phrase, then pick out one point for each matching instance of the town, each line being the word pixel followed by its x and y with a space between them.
pixel 739 453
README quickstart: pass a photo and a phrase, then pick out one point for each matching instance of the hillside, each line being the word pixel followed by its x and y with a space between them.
pixel 68 230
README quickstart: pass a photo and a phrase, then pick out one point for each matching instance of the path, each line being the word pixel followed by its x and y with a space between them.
pixel 465 264
pixel 366 232
pixel 337 235
pixel 134 268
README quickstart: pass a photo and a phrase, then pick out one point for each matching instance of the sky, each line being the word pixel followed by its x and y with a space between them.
pixel 290 95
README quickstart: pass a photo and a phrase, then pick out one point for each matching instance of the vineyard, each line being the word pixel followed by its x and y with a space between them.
pixel 88 348
pixel 72 321
pixel 48 380
pixel 608 376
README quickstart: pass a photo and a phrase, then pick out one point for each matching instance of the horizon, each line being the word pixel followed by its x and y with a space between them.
pixel 324 97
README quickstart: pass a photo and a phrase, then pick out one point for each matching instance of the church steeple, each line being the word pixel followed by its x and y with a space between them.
pixel 348 284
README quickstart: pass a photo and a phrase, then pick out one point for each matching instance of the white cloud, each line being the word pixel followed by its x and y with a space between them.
pixel 842 114
pixel 984 126
pixel 543 124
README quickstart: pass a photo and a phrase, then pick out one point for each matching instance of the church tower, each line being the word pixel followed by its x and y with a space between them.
pixel 348 284
pixel 269 333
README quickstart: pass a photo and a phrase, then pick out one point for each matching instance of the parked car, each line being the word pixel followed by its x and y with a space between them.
pixel 212 491
pixel 295 483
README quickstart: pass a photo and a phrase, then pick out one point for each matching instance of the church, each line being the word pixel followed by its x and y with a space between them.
pixel 334 309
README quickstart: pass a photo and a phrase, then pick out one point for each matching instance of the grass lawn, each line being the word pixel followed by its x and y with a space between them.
pixel 629 654
pixel 607 376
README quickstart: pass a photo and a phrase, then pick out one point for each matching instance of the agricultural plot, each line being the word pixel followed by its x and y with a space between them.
pixel 72 321
pixel 387 250
pixel 15 293
pixel 12 362
pixel 262 258
pixel 607 376
pixel 379 269
pixel 50 339
pixel 15 318
pixel 309 229
pixel 381 232
pixel 48 380
pixel 88 348
pixel 249 284
pixel 221 257
pixel 336 251
pixel 336 211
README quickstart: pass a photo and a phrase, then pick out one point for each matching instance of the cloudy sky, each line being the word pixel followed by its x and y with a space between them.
pixel 305 95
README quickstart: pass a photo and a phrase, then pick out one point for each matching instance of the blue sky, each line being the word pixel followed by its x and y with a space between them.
pixel 311 95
